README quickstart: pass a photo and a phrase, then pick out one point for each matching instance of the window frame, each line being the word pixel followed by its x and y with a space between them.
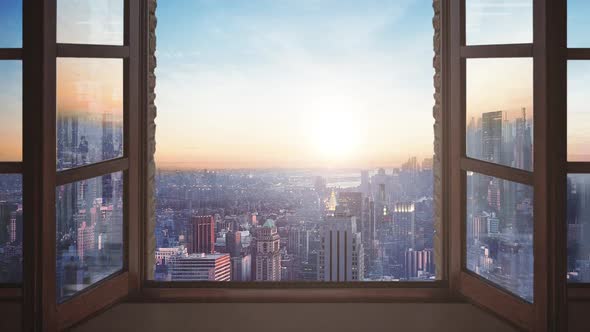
pixel 576 291
pixel 547 176
pixel 298 291
pixel 14 291
pixel 41 177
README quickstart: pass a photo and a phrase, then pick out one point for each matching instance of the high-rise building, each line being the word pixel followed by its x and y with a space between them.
pixel 233 243
pixel 404 224
pixel 341 257
pixel 202 235
pixel 492 136
pixel 241 268
pixel 202 266
pixel 267 257
pixel 419 263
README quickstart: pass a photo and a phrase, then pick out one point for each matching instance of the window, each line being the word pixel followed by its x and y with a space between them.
pixel 288 134
pixel 578 143
pixel 11 145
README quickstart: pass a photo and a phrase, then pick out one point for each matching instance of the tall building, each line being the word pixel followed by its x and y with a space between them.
pixel 492 136
pixel 205 267
pixel 365 183
pixel 233 243
pixel 241 268
pixel 419 264
pixel 202 235
pixel 267 259
pixel 341 257
pixel 404 224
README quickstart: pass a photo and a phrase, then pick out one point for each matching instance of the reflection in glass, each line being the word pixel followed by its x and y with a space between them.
pixel 578 228
pixel 90 22
pixel 11 228
pixel 11 24
pixel 499 233
pixel 89 111
pixel 578 112
pixel 500 111
pixel 578 23
pixel 10 110
pixel 498 21
pixel 89 216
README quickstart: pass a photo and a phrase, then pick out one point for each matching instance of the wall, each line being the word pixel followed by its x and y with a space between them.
pixel 267 317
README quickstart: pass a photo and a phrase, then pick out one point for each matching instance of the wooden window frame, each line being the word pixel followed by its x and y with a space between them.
pixel 13 291
pixel 548 312
pixel 576 291
pixel 296 291
pixel 41 177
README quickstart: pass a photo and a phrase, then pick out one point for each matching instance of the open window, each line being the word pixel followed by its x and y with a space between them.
pixel 81 100
pixel 507 163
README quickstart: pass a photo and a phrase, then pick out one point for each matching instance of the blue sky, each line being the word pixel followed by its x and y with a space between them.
pixel 294 83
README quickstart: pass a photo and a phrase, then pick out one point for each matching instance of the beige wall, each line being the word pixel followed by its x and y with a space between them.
pixel 406 317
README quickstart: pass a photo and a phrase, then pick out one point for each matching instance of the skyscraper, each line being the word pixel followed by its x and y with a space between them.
pixel 492 136
pixel 267 259
pixel 341 256
pixel 202 235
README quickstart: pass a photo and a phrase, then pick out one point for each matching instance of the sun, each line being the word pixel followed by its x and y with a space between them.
pixel 335 135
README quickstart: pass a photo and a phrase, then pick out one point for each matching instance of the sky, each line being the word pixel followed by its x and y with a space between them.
pixel 300 83
pixel 293 83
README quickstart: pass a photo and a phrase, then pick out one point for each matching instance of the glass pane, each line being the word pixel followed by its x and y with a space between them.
pixel 89 111
pixel 11 24
pixel 578 228
pixel 500 233
pixel 11 101
pixel 90 22
pixel 578 23
pixel 500 111
pixel 89 237
pixel 578 112
pixel 498 21
pixel 281 120
pixel 11 228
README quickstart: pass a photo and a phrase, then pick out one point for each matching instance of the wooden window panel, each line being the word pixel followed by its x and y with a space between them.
pixel 547 311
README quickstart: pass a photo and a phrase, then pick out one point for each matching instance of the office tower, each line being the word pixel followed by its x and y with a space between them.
pixel 492 136
pixel 233 243
pixel 353 202
pixel 419 264
pixel 241 268
pixel 404 224
pixel 341 257
pixel 522 143
pixel 202 235
pixel 200 267
pixel 365 183
pixel 85 240
pixel 267 259
pixel 320 185
pixel 6 211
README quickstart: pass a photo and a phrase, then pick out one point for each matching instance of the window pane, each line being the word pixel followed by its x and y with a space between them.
pixel 500 233
pixel 500 111
pixel 498 21
pixel 578 112
pixel 89 111
pixel 578 23
pixel 11 23
pixel 89 217
pixel 10 111
pixel 90 22
pixel 578 227
pixel 282 122
pixel 11 228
